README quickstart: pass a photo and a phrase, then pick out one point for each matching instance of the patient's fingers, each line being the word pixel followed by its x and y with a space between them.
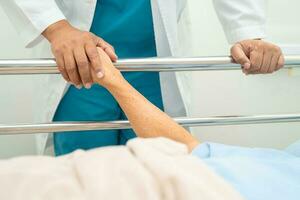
pixel 107 48
pixel 105 59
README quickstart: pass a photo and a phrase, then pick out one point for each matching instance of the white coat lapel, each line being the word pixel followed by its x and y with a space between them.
pixel 167 12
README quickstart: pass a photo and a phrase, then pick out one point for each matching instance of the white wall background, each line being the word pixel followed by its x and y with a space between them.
pixel 15 94
pixel 214 93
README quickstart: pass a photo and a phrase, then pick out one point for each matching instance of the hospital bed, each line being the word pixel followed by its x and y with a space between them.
pixel 48 66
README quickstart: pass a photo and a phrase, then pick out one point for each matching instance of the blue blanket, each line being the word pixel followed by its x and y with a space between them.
pixel 257 173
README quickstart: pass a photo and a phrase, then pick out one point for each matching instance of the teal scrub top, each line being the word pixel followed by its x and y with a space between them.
pixel 127 25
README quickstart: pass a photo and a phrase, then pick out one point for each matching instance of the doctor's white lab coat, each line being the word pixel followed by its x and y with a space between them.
pixel 241 19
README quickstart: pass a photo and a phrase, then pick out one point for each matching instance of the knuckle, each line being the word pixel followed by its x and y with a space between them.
pixel 253 55
pixel 72 70
pixel 259 45
pixel 82 63
pixel 100 40
pixel 63 47
pixel 256 67
pixel 92 35
pixel 93 55
pixel 277 49
pixel 255 47
pixel 74 41
pixel 86 35
pixel 57 50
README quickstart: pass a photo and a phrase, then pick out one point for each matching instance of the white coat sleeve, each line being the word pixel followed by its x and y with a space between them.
pixel 242 19
pixel 31 17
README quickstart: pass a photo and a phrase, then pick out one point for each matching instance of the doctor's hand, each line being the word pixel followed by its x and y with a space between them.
pixel 257 56
pixel 76 52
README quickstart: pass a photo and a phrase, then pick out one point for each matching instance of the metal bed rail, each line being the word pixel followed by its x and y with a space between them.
pixel 48 66
pixel 109 125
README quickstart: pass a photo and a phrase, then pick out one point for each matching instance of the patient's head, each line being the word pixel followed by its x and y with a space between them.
pixel 111 74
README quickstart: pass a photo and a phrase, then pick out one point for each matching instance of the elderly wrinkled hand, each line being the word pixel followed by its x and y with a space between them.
pixel 257 56
pixel 111 75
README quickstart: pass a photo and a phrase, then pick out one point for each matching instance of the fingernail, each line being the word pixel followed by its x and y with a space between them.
pixel 100 75
pixel 247 65
pixel 88 86
pixel 78 86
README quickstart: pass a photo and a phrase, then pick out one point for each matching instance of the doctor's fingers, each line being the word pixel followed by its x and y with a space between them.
pixel 274 63
pixel 61 67
pixel 83 66
pixel 71 68
pixel 271 62
pixel 94 58
pixel 256 61
pixel 239 56
pixel 272 56
pixel 266 65
pixel 272 67
pixel 107 48
pixel 280 63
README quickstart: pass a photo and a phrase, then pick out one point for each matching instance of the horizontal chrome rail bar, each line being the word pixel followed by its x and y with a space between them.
pixel 109 125
pixel 48 66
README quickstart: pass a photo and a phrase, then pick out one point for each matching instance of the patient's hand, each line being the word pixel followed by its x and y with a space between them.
pixel 112 76
pixel 145 118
